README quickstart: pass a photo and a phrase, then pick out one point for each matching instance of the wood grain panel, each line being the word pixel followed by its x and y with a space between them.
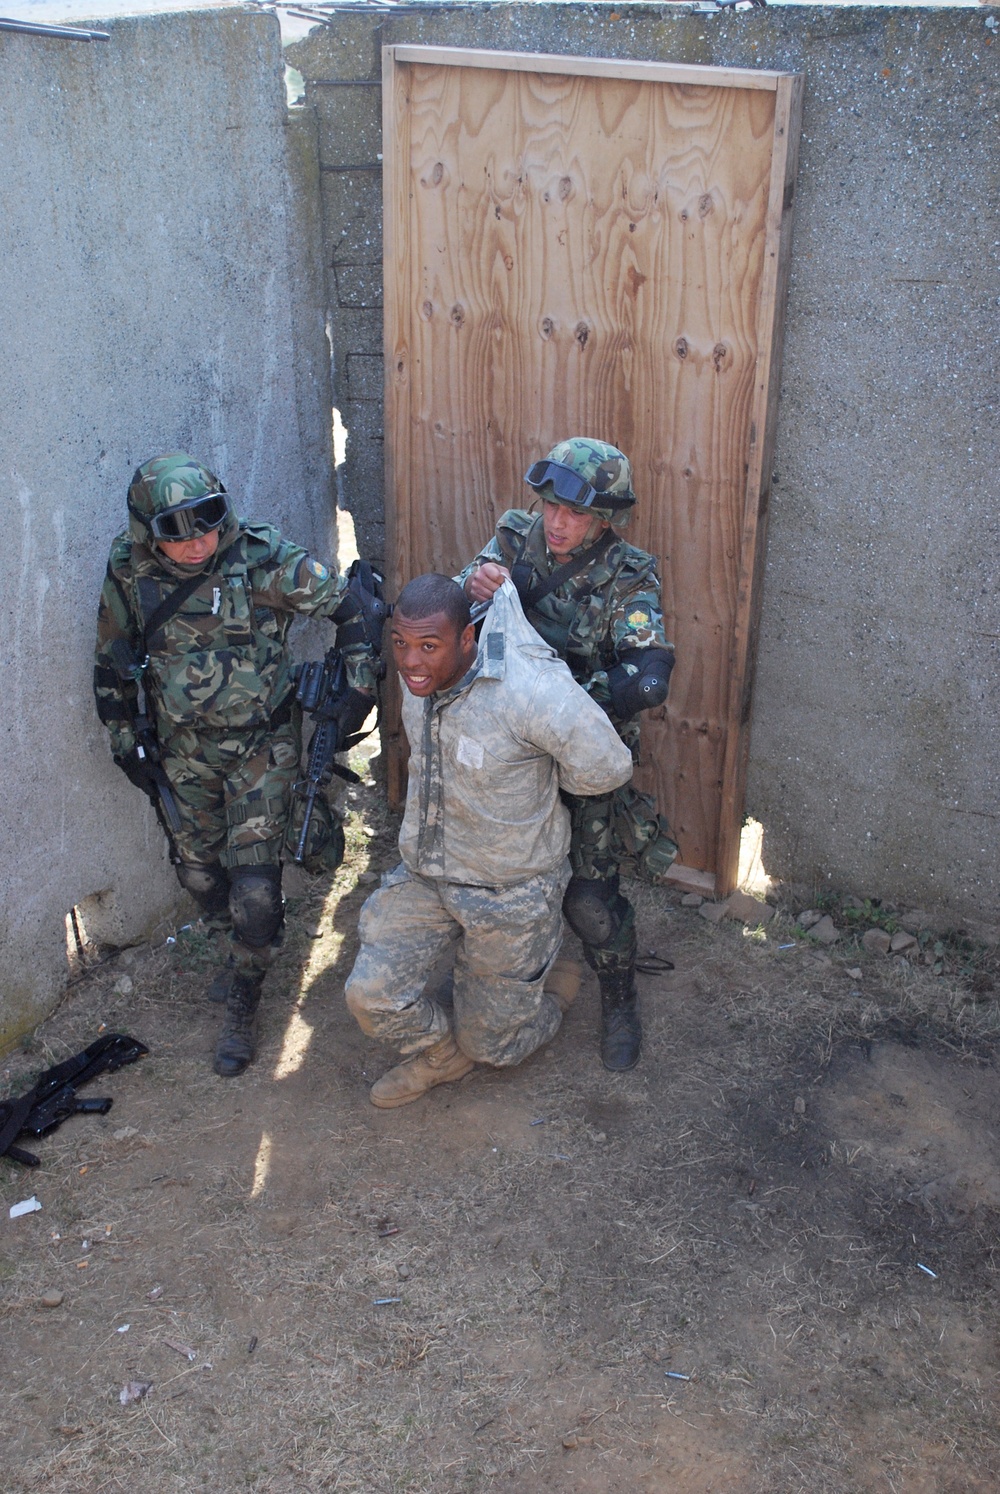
pixel 586 255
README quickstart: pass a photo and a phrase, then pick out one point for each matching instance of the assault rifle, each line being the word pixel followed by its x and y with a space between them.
pixel 129 670
pixel 53 1097
pixel 338 710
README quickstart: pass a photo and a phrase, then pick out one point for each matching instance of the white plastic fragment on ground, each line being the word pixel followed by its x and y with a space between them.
pixel 26 1206
pixel 134 1390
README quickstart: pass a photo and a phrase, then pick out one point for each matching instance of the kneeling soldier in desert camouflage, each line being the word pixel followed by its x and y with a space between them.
pixel 495 732
pixel 197 605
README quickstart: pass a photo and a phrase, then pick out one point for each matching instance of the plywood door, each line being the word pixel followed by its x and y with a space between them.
pixel 576 246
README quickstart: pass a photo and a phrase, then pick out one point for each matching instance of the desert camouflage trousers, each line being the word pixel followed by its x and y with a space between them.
pixel 507 939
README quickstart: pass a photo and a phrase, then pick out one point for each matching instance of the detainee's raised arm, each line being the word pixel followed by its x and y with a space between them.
pixel 563 721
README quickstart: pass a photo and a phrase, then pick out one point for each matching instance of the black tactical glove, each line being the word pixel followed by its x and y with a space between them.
pixel 353 712
pixel 138 771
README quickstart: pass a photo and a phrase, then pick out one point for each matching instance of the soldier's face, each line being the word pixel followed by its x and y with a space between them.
pixel 431 653
pixel 566 529
pixel 193 551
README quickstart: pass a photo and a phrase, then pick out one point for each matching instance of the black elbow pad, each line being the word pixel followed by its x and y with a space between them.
pixel 640 680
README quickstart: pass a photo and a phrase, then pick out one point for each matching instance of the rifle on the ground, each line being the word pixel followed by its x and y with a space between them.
pixel 53 1098
pixel 129 670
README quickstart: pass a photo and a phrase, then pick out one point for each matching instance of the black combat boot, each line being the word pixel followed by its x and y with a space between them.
pixel 221 983
pixel 235 1048
pixel 621 1029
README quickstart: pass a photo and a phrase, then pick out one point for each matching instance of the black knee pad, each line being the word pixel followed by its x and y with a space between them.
pixel 594 909
pixel 208 885
pixel 255 904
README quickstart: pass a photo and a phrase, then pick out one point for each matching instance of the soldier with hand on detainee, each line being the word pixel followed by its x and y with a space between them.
pixel 596 600
pixel 196 606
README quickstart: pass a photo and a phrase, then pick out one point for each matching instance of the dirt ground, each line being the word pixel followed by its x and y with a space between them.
pixel 705 1275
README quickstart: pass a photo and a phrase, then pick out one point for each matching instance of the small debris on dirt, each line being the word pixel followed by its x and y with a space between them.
pixel 570 1441
pixel 252 1344
pixel 124 1133
pixel 692 900
pixel 809 918
pixel 155 1294
pixel 902 943
pixel 854 973
pixel 402 1272
pixel 800 1105
pixel 52 1299
pixel 927 1271
pixel 134 1390
pixel 876 941
pixel 124 1328
pixel 124 985
pixel 179 1348
pixel 26 1206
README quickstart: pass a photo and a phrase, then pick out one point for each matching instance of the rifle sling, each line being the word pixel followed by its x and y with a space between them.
pixel 176 599
pixel 531 596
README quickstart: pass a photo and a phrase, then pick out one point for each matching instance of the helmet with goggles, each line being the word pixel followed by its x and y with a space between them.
pixel 585 474
pixel 174 497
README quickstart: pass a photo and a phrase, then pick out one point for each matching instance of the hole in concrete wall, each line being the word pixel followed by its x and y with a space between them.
pixel 752 875
pixel 87 932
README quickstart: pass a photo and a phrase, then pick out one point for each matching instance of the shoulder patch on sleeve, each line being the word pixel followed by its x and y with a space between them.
pixel 319 570
pixel 638 617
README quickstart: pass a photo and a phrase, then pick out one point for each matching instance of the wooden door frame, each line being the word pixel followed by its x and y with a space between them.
pixel 788 90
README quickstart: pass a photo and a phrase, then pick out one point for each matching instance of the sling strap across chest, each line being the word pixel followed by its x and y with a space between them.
pixel 521 571
pixel 167 606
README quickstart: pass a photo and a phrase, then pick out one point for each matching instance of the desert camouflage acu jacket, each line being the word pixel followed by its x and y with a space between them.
pixel 489 757
pixel 221 660
pixel 610 606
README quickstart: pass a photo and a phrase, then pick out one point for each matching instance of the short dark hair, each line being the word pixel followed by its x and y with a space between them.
pixel 425 595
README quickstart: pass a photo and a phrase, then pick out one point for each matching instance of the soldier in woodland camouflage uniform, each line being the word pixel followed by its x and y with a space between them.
pixel 494 733
pixel 201 603
pixel 596 600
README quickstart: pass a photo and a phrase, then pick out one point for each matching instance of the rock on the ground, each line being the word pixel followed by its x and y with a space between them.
pixel 917 921
pixel 808 918
pixel 854 972
pixel 747 909
pixel 825 930
pixel 902 942
pixel 692 900
pixel 876 941
pixel 51 1299
pixel 714 912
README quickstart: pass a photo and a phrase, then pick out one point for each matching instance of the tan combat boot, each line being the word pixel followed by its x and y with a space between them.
pixel 413 1077
pixel 563 982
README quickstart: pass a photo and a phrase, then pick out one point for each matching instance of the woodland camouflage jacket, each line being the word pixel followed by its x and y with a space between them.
pixel 610 606
pixel 221 660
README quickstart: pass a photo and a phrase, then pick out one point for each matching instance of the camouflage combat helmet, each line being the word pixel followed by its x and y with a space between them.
pixel 325 845
pixel 587 474
pixel 175 497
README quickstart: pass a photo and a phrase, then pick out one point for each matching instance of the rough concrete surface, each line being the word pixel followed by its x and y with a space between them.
pixel 158 289
pixel 875 753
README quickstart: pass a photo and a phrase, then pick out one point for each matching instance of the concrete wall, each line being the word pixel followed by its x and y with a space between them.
pixel 160 287
pixel 876 750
